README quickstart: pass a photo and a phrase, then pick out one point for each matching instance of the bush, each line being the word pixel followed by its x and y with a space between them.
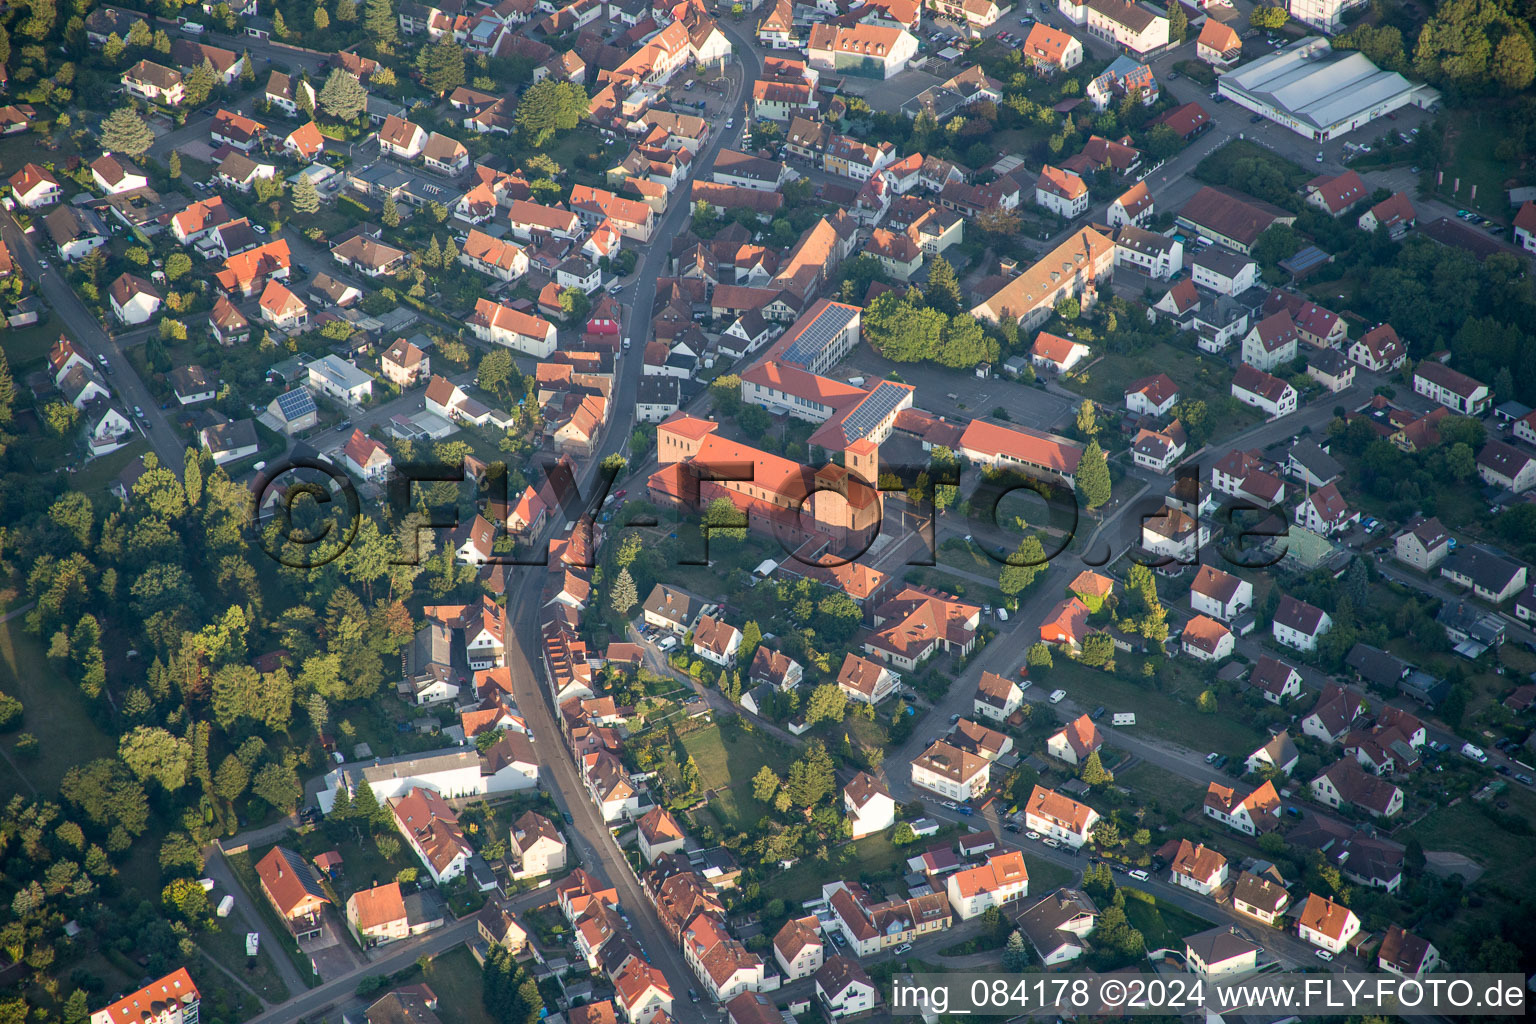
pixel 10 711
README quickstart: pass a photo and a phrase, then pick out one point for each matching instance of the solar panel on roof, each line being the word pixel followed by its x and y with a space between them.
pixel 296 403
pixel 829 323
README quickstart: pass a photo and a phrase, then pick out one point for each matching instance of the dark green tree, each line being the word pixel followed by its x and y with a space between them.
pixel 1093 484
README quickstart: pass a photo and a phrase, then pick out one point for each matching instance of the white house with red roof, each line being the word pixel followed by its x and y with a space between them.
pixel 1060 191
pixel 659 833
pixel 865 680
pixel 134 300
pixel 1206 639
pixel 503 325
pixel 1220 594
pixel 1379 350
pixel 35 187
pixel 401 138
pixel 1257 812
pixel 1059 817
pixel 1324 511
pixel 366 457
pixel 1264 391
pixel 1334 194
pixel 1075 741
pixel 1047 47
pixel 868 805
pixel 1136 206
pixel 1197 867
pixel 1276 681
pixel 1525 226
pixel 1326 924
pixel 1394 215
pixel 281 308
pixel 799 948
pixel 1151 396
pixel 1058 354
pixel 1271 342
pixel 1000 880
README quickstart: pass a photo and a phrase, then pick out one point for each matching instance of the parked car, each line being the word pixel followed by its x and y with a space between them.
pixel 1011 827
pixel 905 947
pixel 965 811
pixel 1058 696
pixel 1097 713
pixel 1323 954
pixel 1140 875
pixel 1052 843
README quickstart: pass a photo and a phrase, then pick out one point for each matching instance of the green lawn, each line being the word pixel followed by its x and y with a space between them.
pixel 26 348
pixel 362 865
pixel 1465 829
pixel 727 765
pixel 1047 876
pixel 1197 374
pixel 1146 779
pixel 1169 712
pixel 873 856
pixel 96 476
pixel 968 589
pixel 455 977
pixel 1469 147
pixel 244 867
pixel 55 712
pixel 1163 925
pixel 226 945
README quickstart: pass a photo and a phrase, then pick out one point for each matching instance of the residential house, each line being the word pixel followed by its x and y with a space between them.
pixel 1324 512
pixel 1456 391
pixel 1205 639
pixel 1326 924
pixel 1276 681
pixel 334 376
pixel 1346 784
pixel 75 231
pixel 288 93
pixel 1394 215
pixel 1220 952
pixel 229 442
pixel 1197 867
pixel 1333 715
pixel 1260 897
pixel 1298 624
pixel 998 881
pixel 378 914
pixel 432 830
pixel 503 325
pixel 155 83
pixel 798 947
pixel 1491 577
pixel 997 698
pixel 114 174
pixel 1505 466
pixel 1057 354
pixel 1278 754
pixel 1423 543
pixel 403 364
pixel 951 772
pixel 1075 741
pixel 1379 350
pixel 1405 954
pixel 1335 194
pixel 536 847
pixel 1059 817
pixel 290 885
pixel 34 187
pixel 843 989
pixel 1050 49
pixel 1220 594
pixel 1263 391
pixel 401 138
pixel 1135 206
pixel 1257 812
pixel 366 457
pixel 868 805
pixel 1151 396
pixel 1057 925
pixel 134 300
pixel 281 308
pixel 1218 44
pixel 174 998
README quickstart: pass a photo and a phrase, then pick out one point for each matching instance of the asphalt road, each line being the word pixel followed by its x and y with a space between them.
pixel 82 327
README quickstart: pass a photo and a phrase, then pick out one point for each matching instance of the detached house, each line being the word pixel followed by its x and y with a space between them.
pixel 134 300
pixel 798 947
pixel 401 138
pixel 1264 391
pixel 1257 812
pixel 1079 738
pixel 1205 639
pixel 403 364
pixel 1275 680
pixel 1271 342
pixel 1151 396
pixel 293 890
pixel 34 187
pixel 366 457
pixel 1260 898
pixel 1059 817
pixel 1405 954
pixel 1278 754
pixel 1061 192
pixel 1423 544
pixel 1298 624
pixel 1220 594
pixel 1324 511
pixel 503 325
pixel 1503 465
pixel 1057 354
pixel 1378 350
pixel 495 257
pixel 1326 924
pixel 951 772
pixel 281 308
pixel 1456 391
pixel 997 697
pixel 868 805
pixel 866 681
pixel 716 640
pixel 154 82
pixel 995 883
pixel 1345 783
pixel 283 92
pixel 113 175
pixel 1333 715
pixel 1197 867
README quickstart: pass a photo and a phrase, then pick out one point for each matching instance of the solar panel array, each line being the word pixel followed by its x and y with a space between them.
pixel 862 420
pixel 818 334
pixel 296 403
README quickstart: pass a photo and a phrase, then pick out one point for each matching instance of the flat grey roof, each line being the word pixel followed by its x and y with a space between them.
pixel 1313 83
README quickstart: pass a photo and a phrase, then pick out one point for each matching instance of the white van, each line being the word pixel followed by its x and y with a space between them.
pixel 1057 696
pixel 1139 875
pixel 225 906
pixel 1475 753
